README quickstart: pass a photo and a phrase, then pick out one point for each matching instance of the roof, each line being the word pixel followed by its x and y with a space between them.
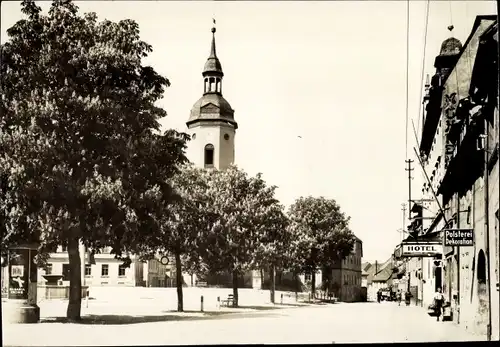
pixel 213 65
pixel 476 24
pixel 379 271
pixel 212 107
pixel 384 275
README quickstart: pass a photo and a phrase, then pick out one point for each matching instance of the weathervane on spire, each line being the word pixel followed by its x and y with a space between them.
pixel 450 27
pixel 213 27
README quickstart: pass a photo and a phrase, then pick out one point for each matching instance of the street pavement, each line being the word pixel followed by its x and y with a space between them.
pixel 147 320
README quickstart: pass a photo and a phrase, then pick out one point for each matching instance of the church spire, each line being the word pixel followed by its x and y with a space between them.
pixel 213 53
pixel 213 67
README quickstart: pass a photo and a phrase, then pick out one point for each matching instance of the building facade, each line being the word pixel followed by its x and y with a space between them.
pixel 376 276
pixel 459 155
pixel 102 270
pixel 345 278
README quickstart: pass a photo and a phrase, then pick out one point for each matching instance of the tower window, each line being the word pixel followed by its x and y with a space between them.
pixel 209 155
pixel 218 85
pixel 226 137
pixel 206 85
pixel 212 84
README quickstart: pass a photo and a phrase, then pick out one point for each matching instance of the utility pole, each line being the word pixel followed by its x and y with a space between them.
pixel 409 169
pixel 403 226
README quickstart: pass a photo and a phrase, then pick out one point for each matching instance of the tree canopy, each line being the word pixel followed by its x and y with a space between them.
pixel 81 155
pixel 321 233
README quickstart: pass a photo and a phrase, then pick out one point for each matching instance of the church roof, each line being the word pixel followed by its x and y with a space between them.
pixel 213 65
pixel 212 107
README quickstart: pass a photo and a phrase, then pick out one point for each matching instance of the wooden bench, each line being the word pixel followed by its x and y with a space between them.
pixel 228 301
pixel 201 284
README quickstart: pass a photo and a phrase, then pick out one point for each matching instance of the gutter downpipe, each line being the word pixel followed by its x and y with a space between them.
pixel 486 221
pixel 498 104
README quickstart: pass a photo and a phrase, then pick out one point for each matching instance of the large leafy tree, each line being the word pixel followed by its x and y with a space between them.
pixel 79 136
pixel 273 248
pixel 184 223
pixel 321 234
pixel 239 201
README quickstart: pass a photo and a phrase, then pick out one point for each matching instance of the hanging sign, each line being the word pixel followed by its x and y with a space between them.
pixel 422 249
pixel 458 237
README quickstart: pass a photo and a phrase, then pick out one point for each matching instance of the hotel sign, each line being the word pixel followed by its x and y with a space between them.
pixel 422 249
pixel 458 237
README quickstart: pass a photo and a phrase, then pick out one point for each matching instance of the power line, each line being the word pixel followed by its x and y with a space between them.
pixel 407 72
pixel 423 63
pixel 409 169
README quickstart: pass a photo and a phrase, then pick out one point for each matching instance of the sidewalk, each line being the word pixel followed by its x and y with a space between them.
pixel 451 331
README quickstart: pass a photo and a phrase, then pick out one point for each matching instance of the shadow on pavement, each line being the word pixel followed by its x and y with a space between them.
pixel 267 308
pixel 116 319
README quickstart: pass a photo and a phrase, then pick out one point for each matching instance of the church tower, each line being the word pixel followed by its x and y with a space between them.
pixel 211 124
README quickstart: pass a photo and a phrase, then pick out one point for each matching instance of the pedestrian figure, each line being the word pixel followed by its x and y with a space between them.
pixel 398 297
pixel 438 302
pixel 379 296
pixel 407 298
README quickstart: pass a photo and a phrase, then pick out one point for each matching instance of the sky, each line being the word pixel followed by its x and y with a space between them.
pixel 331 72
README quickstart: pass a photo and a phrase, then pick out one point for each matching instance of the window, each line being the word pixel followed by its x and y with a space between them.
pixel 88 270
pixel 307 277
pixel 104 270
pixel 212 85
pixel 65 272
pixel 209 155
pixel 48 269
pixel 64 248
pixel 481 267
pixel 121 270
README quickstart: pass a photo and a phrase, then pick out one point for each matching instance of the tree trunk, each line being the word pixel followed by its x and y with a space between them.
pixel 178 282
pixel 261 279
pixel 296 280
pixel 235 288
pixel 273 284
pixel 75 280
pixel 313 283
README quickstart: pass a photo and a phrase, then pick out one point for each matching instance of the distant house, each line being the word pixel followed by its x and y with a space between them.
pixel 376 276
pixel 364 274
